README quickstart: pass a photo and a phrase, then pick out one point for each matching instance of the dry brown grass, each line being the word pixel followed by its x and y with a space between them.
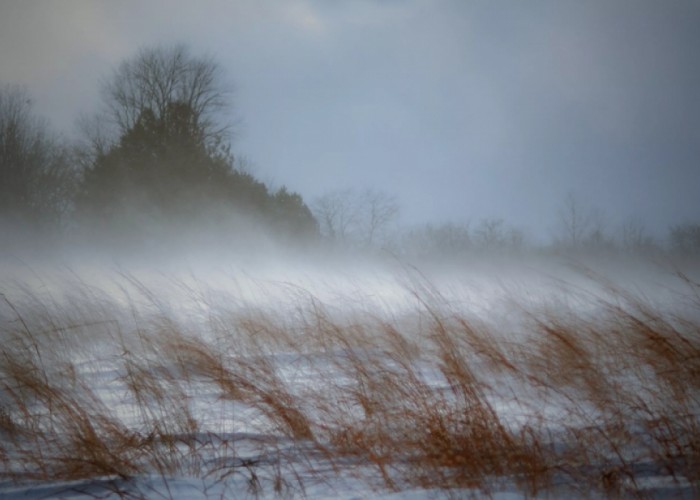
pixel 436 399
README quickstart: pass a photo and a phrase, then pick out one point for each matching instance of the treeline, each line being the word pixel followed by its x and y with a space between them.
pixel 496 237
pixel 367 220
pixel 156 160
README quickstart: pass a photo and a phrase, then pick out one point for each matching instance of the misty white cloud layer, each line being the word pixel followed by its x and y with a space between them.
pixel 462 109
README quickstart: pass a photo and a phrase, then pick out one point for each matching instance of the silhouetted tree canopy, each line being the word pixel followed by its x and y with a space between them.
pixel 159 162
pixel 293 215
pixel 158 77
pixel 172 162
pixel 35 178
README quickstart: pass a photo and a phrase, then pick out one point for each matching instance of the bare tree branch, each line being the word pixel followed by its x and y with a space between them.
pixel 158 77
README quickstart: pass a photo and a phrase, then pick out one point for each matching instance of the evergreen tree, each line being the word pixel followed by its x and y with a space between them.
pixel 172 165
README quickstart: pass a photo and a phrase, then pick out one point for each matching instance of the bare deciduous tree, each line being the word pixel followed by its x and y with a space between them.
pixel 490 234
pixel 35 178
pixel 337 214
pixel 352 217
pixel 159 77
pixel 583 228
pixel 634 238
pixel 379 210
pixel 574 221
pixel 494 234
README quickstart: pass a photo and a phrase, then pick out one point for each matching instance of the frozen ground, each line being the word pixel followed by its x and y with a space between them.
pixel 97 331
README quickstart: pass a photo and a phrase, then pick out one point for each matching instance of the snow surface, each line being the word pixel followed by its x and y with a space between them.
pixel 191 298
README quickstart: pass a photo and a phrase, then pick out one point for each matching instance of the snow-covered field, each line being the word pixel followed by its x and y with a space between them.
pixel 212 379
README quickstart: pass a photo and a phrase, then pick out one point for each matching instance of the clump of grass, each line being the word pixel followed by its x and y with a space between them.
pixel 436 398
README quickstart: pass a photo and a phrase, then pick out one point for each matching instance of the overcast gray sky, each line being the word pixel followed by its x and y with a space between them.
pixel 462 109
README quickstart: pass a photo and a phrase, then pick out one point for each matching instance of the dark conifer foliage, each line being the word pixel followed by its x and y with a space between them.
pixel 172 162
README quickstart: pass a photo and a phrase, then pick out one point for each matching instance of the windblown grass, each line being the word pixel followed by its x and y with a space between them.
pixel 602 398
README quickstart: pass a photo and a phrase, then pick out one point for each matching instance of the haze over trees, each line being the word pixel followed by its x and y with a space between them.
pixel 171 161
pixel 462 260
pixel 35 175
pixel 158 160
pixel 356 218
pixel 685 239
